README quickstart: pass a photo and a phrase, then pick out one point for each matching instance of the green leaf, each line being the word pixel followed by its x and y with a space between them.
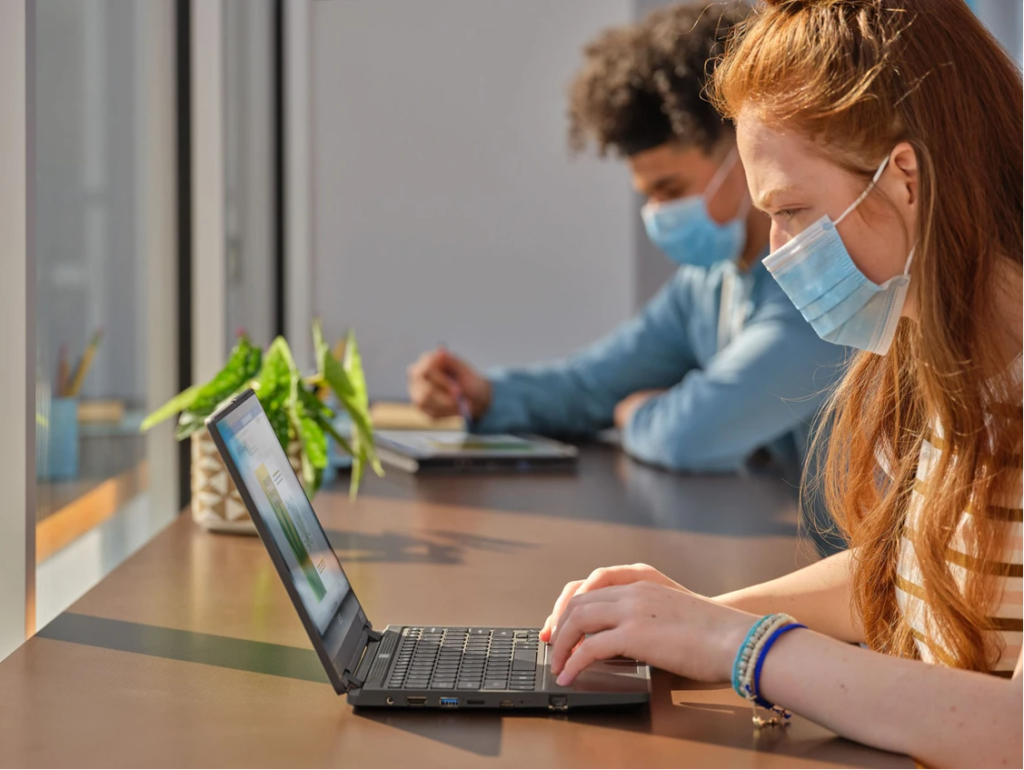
pixel 313 405
pixel 319 346
pixel 272 386
pixel 348 382
pixel 275 376
pixel 189 423
pixel 199 401
pixel 367 450
pixel 314 441
pixel 339 382
pixel 312 438
pixel 242 364
pixel 358 470
pixel 354 370
pixel 280 423
pixel 307 469
pixel 179 403
pixel 327 427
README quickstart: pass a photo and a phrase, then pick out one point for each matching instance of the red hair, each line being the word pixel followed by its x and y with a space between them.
pixel 858 77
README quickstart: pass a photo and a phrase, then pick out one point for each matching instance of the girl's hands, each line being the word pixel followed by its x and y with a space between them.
pixel 602 578
pixel 668 627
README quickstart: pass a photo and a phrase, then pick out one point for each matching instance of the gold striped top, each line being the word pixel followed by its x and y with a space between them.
pixel 1007 616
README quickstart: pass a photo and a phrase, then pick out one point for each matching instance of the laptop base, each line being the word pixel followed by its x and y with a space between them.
pixel 529 684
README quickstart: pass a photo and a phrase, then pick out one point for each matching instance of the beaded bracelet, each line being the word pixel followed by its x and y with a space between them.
pixel 750 658
pixel 743 655
pixel 752 654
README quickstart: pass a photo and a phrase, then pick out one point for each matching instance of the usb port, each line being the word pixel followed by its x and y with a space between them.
pixel 416 700
pixel 448 703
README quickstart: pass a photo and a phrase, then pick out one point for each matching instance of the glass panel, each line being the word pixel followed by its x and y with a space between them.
pixel 249 169
pixel 98 112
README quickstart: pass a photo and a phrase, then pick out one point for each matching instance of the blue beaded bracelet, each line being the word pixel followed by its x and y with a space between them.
pixel 760 662
pixel 737 663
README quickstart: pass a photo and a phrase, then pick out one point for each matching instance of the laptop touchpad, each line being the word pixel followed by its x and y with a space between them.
pixel 613 666
pixel 614 675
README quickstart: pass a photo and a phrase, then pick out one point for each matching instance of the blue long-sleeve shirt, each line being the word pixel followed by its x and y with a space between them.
pixel 741 370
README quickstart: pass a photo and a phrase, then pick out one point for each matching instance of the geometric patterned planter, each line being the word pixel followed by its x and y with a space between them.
pixel 216 504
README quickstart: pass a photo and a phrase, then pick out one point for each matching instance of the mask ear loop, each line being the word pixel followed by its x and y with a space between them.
pixel 910 258
pixel 716 181
pixel 867 191
pixel 860 199
pixel 719 177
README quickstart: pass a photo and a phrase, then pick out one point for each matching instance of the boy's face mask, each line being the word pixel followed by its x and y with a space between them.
pixel 685 232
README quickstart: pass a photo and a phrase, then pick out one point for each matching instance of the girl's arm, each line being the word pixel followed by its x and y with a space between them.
pixel 938 715
pixel 820 595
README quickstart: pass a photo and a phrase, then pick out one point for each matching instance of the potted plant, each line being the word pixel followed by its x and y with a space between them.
pixel 296 408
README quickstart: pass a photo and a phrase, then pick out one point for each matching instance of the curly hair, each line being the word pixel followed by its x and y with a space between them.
pixel 642 85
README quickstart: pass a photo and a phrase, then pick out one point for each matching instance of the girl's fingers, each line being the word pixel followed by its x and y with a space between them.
pixel 611 643
pixel 563 599
pixel 609 594
pixel 599 578
pixel 582 619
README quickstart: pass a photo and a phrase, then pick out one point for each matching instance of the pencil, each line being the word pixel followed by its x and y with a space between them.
pixel 83 365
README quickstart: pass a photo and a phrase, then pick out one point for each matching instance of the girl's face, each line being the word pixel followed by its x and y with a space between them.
pixel 792 182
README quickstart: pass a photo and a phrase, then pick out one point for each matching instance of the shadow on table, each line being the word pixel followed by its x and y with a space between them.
pixel 435 547
pixel 478 732
pixel 681 710
pixel 677 711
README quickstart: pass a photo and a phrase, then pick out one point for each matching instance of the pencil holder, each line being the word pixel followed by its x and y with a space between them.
pixel 57 442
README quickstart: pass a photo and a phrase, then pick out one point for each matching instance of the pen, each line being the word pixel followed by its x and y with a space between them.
pixel 460 398
pixel 462 404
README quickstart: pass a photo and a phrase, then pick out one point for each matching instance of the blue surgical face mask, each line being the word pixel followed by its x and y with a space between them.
pixel 838 300
pixel 687 234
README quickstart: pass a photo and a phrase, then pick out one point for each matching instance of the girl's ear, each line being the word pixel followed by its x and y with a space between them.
pixel 903 164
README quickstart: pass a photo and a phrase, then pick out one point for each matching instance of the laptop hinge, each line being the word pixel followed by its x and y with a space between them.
pixel 349 678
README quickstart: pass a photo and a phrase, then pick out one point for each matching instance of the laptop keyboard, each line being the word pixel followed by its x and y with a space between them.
pixel 456 658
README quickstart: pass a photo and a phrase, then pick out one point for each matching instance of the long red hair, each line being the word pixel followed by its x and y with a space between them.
pixel 857 77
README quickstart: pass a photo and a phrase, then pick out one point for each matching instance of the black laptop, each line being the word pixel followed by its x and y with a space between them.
pixel 400 666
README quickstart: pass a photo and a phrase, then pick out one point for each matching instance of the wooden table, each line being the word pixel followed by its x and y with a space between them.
pixel 190 653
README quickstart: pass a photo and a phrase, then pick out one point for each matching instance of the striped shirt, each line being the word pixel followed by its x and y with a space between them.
pixel 1007 614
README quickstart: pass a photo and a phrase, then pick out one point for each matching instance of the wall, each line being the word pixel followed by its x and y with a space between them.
pixel 446 205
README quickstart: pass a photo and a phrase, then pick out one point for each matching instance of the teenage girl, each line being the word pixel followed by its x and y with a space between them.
pixel 883 140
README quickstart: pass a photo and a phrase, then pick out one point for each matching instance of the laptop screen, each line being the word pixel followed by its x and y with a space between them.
pixel 282 504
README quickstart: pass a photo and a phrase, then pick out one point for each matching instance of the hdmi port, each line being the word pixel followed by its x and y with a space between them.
pixel 416 700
